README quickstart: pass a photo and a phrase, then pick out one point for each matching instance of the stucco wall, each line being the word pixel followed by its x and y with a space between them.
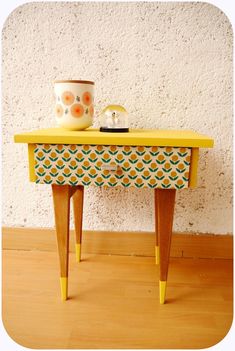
pixel 169 64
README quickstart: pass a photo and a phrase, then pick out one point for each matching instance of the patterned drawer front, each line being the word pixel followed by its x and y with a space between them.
pixel 138 166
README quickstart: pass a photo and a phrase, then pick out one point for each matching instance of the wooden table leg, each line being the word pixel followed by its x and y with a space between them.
pixel 61 199
pixel 156 229
pixel 165 214
pixel 78 210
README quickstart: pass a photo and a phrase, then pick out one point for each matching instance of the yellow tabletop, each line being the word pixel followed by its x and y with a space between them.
pixel 136 137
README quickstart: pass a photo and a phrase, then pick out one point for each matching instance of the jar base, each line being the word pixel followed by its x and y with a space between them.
pixel 114 130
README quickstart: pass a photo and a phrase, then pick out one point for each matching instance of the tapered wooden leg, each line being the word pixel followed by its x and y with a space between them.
pixel 61 199
pixel 78 210
pixel 156 229
pixel 165 214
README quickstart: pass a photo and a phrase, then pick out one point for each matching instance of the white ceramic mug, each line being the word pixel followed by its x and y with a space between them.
pixel 74 108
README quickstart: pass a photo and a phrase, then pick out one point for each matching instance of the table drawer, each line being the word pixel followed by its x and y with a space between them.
pixel 109 165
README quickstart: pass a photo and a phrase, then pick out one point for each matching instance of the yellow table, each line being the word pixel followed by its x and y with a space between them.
pixel 163 160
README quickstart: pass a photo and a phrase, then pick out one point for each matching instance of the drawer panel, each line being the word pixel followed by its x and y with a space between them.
pixel 109 165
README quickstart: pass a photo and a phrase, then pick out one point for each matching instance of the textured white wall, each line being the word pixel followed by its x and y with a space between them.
pixel 169 64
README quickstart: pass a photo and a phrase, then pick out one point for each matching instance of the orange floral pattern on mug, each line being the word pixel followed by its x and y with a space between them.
pixel 59 110
pixel 67 98
pixel 87 98
pixel 77 110
pixel 91 110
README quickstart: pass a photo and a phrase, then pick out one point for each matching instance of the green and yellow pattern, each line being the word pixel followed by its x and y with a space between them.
pixel 136 166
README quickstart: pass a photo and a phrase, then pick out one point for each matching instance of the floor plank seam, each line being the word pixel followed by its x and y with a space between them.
pixel 122 255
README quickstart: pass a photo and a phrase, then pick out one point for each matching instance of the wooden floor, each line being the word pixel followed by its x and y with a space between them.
pixel 114 302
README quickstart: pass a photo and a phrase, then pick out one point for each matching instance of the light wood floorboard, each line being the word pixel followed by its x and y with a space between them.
pixel 114 302
pixel 185 245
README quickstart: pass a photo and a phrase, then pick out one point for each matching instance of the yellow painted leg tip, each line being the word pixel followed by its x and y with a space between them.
pixel 64 288
pixel 78 252
pixel 157 254
pixel 162 291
